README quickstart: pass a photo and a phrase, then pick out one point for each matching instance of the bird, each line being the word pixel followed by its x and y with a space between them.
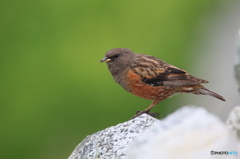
pixel 151 78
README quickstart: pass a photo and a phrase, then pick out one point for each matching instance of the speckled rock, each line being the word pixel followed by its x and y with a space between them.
pixel 112 142
pixel 190 132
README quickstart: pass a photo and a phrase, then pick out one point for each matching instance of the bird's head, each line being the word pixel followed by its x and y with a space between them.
pixel 118 58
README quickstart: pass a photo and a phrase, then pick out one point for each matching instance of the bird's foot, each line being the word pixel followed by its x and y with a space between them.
pixel 138 113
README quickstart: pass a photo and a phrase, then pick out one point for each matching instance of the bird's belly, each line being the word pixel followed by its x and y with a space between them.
pixel 143 90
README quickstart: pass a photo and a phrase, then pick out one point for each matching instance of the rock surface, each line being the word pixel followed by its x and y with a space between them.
pixel 237 65
pixel 190 132
pixel 112 142
pixel 233 121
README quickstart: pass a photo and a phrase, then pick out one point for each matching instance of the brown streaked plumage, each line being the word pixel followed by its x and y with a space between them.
pixel 151 78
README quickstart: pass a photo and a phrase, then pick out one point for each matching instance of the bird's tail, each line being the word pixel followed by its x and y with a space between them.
pixel 205 91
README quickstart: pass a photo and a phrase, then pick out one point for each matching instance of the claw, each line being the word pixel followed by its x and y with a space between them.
pixel 138 113
pixel 155 115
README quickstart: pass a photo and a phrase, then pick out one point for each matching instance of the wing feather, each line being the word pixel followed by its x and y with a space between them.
pixel 159 73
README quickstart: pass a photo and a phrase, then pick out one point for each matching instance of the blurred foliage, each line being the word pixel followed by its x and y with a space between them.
pixel 54 92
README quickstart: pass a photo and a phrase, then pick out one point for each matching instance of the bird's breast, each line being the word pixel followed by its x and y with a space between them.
pixel 137 87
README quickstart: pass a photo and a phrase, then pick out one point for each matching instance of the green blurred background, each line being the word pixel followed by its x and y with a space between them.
pixel 54 92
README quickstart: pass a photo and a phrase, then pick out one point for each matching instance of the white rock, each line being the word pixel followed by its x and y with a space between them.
pixel 189 133
pixel 233 121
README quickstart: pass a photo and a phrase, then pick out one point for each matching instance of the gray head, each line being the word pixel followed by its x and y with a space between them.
pixel 118 59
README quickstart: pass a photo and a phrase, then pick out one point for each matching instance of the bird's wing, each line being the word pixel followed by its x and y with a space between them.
pixel 162 74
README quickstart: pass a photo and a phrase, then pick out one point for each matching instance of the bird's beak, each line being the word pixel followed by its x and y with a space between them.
pixel 105 59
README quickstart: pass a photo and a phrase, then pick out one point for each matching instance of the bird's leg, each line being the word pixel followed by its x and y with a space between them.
pixel 154 103
pixel 147 111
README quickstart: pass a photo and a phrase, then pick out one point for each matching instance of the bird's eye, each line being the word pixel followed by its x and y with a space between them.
pixel 116 56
